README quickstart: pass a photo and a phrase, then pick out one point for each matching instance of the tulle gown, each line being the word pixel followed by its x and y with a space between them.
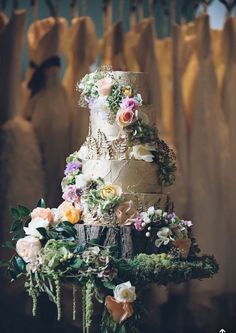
pixel 81 50
pixel 21 178
pixel 48 105
pixel 113 47
pixel 208 167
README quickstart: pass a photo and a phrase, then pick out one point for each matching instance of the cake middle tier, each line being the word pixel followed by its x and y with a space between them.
pixel 133 176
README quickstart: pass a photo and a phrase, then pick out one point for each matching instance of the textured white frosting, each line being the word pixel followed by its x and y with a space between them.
pixel 132 175
pixel 112 131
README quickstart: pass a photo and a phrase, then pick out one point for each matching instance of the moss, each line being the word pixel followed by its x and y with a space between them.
pixel 162 269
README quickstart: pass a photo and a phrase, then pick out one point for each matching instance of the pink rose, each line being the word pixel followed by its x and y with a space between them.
pixel 28 248
pixel 129 104
pixel 104 86
pixel 71 194
pixel 43 213
pixel 125 118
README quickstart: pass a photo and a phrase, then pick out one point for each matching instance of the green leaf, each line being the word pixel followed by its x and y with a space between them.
pixel 77 263
pixel 41 203
pixel 109 285
pixel 23 211
pixel 9 245
pixel 20 264
pixel 15 213
pixel 43 232
pixel 16 225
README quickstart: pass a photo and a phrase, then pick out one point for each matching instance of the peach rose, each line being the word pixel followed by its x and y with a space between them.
pixel 125 212
pixel 125 117
pixel 69 213
pixel 120 311
pixel 104 86
pixel 110 191
pixel 43 213
pixel 28 248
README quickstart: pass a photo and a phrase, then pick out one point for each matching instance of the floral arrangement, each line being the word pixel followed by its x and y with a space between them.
pixel 117 103
pixel 48 255
pixel 86 193
pixel 165 229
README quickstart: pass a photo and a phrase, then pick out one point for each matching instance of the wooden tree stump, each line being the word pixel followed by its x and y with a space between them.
pixel 127 239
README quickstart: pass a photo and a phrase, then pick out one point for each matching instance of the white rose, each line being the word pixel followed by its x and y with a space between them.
pixel 81 180
pixel 83 153
pixel 28 248
pixel 36 223
pixel 125 292
pixel 143 152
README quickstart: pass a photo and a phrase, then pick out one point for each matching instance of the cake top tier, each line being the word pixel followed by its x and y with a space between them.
pixel 112 87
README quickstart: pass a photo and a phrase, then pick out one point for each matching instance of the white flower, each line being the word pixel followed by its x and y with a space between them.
pixel 164 235
pixel 145 217
pixel 159 212
pixel 143 152
pixel 83 153
pixel 28 248
pixel 36 223
pixel 125 292
pixel 151 210
pixel 99 105
pixel 81 181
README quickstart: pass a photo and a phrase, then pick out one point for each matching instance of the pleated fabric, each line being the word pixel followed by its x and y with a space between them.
pixel 81 50
pixel 229 108
pixel 208 159
pixel 113 47
pixel 21 178
pixel 180 132
pixel 49 108
pixel 145 54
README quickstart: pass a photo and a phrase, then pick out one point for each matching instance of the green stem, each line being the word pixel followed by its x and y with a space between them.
pixel 74 292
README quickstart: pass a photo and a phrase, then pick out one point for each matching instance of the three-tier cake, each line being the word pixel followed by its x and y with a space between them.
pixel 124 165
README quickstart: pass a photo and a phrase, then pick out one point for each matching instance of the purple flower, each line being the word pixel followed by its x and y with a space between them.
pixel 129 104
pixel 138 223
pixel 187 223
pixel 72 167
pixel 171 215
pixel 71 194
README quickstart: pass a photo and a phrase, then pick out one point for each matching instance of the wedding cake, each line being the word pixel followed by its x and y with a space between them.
pixel 123 165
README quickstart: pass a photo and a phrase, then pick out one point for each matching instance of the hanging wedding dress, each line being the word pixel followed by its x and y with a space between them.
pixel 207 165
pixel 229 107
pixel 180 188
pixel 21 178
pixel 145 55
pixel 81 50
pixel 130 39
pixel 48 106
pixel 164 50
